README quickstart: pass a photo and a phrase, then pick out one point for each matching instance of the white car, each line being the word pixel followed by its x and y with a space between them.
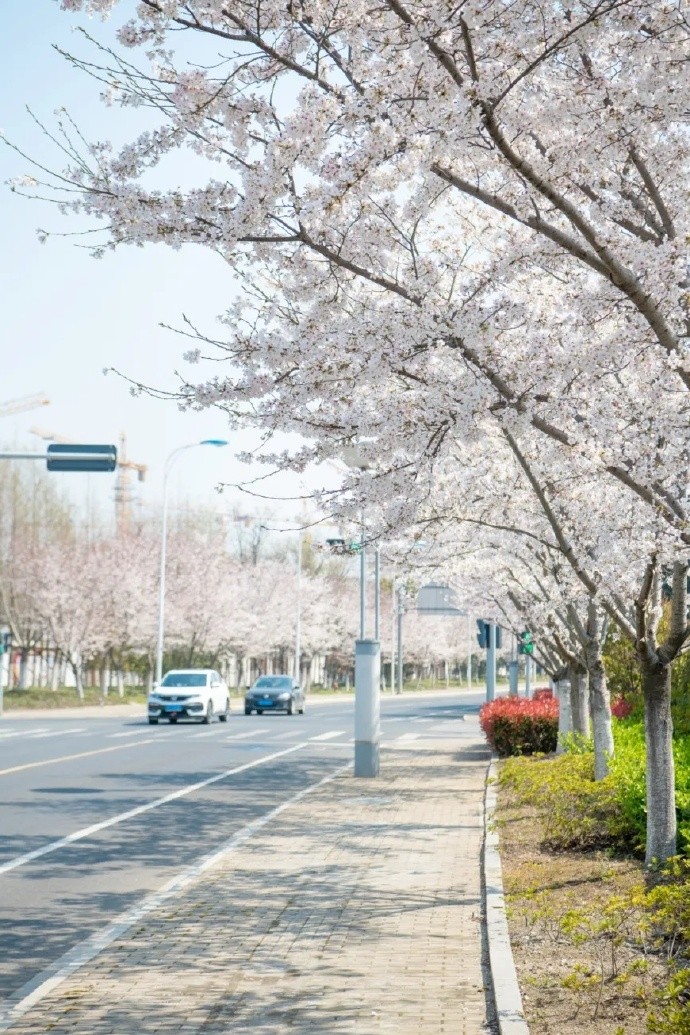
pixel 189 693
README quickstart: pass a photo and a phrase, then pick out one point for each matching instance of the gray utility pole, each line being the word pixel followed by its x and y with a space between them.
pixel 528 676
pixel 513 669
pixel 367 680
pixel 298 615
pixel 398 617
pixel 469 651
pixel 491 664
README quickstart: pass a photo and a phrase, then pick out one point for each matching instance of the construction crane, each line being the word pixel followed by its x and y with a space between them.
pixel 27 402
pixel 124 496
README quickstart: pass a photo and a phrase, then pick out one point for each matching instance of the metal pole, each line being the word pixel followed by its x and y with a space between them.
pixel 161 577
pixel 362 586
pixel 528 676
pixel 400 642
pixel 393 621
pixel 24 456
pixel 469 651
pixel 491 664
pixel 298 650
pixel 377 593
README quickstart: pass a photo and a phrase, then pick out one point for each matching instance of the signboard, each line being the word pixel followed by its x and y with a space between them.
pixel 63 457
pixel 437 599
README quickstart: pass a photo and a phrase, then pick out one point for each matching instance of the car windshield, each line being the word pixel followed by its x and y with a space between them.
pixel 273 683
pixel 184 679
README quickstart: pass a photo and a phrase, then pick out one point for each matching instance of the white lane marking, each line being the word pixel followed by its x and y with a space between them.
pixel 127 733
pixel 17 1004
pixel 70 758
pixel 57 733
pixel 422 720
pixel 328 736
pixel 244 736
pixel 407 737
pixel 95 828
pixel 286 735
pixel 5 735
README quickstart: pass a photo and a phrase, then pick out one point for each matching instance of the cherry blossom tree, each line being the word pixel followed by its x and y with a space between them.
pixel 438 213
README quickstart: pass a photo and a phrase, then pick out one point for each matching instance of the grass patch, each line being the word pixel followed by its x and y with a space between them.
pixel 16 700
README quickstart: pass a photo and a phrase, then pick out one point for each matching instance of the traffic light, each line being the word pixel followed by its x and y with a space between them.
pixel 482 633
pixel 525 643
pixel 344 545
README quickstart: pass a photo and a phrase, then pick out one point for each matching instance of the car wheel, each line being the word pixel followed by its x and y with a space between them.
pixel 208 717
pixel 289 708
pixel 301 710
pixel 224 715
pixel 247 711
pixel 153 722
pixel 259 711
pixel 172 720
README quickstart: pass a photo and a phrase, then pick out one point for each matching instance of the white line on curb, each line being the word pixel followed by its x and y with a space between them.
pixel 16 1005
pixel 79 835
pixel 507 998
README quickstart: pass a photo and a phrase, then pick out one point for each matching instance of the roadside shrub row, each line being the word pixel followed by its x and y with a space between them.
pixel 517 726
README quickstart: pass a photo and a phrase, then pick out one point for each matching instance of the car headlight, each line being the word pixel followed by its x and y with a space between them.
pixel 284 697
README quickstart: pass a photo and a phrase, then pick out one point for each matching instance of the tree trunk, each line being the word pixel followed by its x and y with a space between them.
pixel 78 678
pixel 23 669
pixel 602 724
pixel 579 699
pixel 660 769
pixel 565 719
pixel 105 679
pixel 120 683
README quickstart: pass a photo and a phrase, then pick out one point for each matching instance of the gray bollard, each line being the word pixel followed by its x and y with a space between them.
pixel 367 707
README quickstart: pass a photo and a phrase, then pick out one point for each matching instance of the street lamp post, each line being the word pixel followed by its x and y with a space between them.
pixel 298 621
pixel 164 535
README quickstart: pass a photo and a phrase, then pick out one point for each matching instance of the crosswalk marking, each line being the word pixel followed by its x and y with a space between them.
pixel 407 737
pixel 244 736
pixel 57 733
pixel 127 733
pixel 5 735
pixel 328 736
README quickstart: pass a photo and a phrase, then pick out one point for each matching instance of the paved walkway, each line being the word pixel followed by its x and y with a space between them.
pixel 356 909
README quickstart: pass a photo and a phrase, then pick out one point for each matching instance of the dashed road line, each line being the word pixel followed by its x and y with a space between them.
pixel 6 734
pixel 57 733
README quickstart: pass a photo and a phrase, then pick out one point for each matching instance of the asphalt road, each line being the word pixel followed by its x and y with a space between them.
pixel 96 813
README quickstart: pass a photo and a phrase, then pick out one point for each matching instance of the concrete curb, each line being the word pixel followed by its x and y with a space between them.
pixel 507 998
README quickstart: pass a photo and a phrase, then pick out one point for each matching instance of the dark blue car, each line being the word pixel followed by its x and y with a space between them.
pixel 274 694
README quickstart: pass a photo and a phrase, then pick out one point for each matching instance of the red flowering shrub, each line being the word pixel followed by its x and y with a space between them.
pixel 516 726
pixel 621 708
pixel 543 693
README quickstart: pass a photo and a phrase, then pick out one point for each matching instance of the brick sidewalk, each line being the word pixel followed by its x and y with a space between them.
pixel 356 910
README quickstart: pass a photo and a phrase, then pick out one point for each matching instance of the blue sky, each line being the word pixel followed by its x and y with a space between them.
pixel 66 316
